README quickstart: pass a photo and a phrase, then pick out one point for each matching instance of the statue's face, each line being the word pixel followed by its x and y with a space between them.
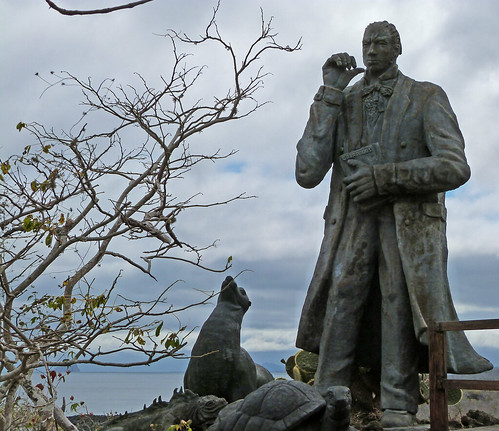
pixel 378 50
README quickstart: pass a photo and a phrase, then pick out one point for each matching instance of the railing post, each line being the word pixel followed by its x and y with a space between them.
pixel 439 417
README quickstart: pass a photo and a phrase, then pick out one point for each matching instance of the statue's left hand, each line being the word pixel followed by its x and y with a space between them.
pixel 361 184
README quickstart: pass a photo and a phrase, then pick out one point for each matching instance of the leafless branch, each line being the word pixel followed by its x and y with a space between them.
pixel 95 11
pixel 72 199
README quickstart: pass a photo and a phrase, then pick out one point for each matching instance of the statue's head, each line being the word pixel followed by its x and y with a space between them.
pixel 380 47
pixel 231 293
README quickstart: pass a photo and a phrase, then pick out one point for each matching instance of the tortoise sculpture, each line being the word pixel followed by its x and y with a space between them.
pixel 287 405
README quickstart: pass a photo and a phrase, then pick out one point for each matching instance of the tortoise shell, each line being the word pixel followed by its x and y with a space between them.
pixel 280 405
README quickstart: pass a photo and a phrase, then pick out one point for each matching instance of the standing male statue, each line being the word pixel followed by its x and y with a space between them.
pixel 381 276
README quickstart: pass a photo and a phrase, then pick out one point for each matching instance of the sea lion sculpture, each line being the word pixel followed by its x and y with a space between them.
pixel 219 365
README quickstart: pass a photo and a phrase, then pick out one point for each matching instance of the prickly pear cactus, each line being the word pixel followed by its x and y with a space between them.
pixel 306 365
pixel 454 396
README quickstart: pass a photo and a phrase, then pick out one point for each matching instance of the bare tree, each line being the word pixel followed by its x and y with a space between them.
pixel 70 201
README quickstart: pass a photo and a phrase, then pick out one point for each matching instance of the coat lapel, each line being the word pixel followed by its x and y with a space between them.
pixel 354 120
pixel 395 110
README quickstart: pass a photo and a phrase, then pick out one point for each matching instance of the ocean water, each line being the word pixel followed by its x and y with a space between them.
pixel 104 393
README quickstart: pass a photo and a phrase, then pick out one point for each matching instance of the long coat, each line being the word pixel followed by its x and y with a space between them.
pixel 422 156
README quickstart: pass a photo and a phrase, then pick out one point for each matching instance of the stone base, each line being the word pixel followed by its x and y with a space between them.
pixel 424 427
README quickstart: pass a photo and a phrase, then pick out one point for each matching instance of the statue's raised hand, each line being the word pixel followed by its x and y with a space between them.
pixel 339 70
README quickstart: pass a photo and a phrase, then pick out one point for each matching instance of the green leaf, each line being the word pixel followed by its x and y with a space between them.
pixel 20 125
pixel 158 329
pixel 44 186
pixel 48 240
pixel 28 223
pixel 5 167
pixel 172 341
pixel 34 185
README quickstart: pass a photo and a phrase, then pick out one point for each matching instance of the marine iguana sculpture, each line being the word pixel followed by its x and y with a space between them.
pixel 219 365
pixel 160 415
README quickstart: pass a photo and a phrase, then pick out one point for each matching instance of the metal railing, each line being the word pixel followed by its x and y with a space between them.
pixel 439 383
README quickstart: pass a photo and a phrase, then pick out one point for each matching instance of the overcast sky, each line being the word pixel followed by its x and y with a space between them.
pixel 277 235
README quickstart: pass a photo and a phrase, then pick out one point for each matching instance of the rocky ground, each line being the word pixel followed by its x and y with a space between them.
pixel 88 422
pixel 486 402
pixel 477 408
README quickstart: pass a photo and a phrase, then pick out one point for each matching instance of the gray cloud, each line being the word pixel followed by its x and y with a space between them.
pixel 473 279
pixel 277 236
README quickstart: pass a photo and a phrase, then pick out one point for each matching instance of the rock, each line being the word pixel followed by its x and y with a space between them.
pixel 478 418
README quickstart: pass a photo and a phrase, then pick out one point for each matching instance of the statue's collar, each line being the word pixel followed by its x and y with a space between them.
pixel 385 78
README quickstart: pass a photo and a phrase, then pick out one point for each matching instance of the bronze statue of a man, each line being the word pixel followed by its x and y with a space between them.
pixel 381 276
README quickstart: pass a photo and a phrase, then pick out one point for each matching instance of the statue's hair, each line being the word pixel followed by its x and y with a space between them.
pixel 394 34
